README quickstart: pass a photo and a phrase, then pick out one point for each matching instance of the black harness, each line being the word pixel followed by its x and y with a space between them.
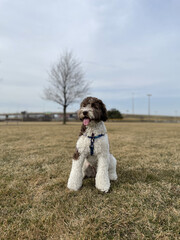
pixel 92 142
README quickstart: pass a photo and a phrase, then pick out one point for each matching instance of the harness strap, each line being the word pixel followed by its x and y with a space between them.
pixel 92 142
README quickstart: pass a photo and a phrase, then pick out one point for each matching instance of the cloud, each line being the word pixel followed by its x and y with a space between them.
pixel 125 46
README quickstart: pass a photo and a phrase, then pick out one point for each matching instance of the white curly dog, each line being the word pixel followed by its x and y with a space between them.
pixel 92 157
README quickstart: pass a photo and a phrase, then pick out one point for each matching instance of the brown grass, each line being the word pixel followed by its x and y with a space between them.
pixel 35 161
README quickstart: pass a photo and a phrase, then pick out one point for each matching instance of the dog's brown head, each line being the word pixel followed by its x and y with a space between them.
pixel 92 109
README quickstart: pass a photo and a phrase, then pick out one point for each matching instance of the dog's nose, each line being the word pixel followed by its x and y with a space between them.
pixel 85 113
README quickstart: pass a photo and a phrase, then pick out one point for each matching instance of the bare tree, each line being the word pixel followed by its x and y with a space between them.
pixel 67 83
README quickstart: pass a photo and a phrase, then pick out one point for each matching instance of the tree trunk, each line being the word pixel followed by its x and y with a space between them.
pixel 64 114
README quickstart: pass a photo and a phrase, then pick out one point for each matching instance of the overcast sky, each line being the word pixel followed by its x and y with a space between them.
pixel 125 46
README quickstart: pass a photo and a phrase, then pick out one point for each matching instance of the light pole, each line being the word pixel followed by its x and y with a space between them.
pixel 132 103
pixel 149 104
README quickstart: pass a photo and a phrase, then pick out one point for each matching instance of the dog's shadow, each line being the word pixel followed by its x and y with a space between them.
pixel 133 176
pixel 145 175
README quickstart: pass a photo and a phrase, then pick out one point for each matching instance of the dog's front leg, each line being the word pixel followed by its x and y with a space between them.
pixel 76 175
pixel 102 176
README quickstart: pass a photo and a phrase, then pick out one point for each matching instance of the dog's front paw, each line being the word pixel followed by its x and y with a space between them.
pixel 113 176
pixel 75 186
pixel 103 188
pixel 102 184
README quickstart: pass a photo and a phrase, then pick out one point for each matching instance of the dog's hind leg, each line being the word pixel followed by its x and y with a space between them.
pixel 112 168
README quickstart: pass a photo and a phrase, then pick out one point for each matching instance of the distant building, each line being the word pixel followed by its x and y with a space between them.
pixel 37 116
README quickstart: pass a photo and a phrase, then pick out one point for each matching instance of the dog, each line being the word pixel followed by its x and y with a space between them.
pixel 92 157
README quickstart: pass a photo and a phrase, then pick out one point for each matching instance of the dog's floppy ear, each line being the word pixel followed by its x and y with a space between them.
pixel 104 115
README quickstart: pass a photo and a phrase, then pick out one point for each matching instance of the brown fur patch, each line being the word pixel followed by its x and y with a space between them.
pixel 76 155
pixel 83 129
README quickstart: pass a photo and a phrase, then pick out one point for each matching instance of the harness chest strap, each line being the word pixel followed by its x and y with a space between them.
pixel 92 142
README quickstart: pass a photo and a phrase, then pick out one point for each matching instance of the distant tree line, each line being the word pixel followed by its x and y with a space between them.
pixel 44 117
pixel 114 114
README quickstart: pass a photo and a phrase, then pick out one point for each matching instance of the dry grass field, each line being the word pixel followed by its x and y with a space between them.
pixel 144 203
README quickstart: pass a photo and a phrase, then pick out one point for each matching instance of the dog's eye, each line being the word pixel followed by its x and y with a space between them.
pixel 93 105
